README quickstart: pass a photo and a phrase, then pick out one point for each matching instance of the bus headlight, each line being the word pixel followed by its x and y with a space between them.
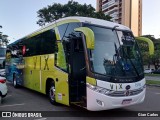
pixel 99 89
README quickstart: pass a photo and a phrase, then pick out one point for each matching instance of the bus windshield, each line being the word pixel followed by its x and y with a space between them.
pixel 116 53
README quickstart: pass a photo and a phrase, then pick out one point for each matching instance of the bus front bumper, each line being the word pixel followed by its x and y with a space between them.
pixel 97 101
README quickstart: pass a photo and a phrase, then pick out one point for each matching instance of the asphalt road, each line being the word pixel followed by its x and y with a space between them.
pixel 23 99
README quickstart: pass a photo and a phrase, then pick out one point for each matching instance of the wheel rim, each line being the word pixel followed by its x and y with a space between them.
pixel 52 93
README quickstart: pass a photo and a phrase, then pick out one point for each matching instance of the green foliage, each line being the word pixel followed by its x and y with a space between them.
pixel 152 82
pixel 3 39
pixel 72 8
pixel 155 59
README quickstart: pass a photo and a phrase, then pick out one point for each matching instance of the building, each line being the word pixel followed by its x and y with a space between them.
pixel 126 12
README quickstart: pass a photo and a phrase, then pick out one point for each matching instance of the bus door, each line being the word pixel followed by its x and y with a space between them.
pixel 77 70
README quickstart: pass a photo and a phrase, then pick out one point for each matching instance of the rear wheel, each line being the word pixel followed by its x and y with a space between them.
pixel 15 81
pixel 52 94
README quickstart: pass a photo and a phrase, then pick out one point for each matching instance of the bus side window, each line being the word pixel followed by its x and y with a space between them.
pixel 48 41
pixel 65 31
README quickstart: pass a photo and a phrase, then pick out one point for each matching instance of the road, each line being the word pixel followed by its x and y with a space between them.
pixel 23 99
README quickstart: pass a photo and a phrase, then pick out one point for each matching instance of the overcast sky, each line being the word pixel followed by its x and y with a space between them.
pixel 18 17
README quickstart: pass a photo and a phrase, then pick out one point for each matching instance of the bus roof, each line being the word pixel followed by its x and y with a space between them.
pixel 77 19
pixel 85 20
pixel 98 22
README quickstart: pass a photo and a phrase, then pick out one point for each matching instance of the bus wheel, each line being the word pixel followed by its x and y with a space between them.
pixel 15 81
pixel 52 95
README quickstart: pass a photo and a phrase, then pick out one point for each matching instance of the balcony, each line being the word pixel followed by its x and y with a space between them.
pixel 109 4
pixel 107 11
pixel 115 14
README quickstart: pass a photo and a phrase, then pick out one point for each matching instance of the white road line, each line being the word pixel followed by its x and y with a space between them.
pixel 157 93
pixel 41 119
pixel 8 96
pixel 12 105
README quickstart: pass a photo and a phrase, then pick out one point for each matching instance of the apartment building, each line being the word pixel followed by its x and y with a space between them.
pixel 126 12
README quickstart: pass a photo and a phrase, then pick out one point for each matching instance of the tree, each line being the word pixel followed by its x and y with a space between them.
pixel 3 39
pixel 145 52
pixel 72 8
pixel 156 59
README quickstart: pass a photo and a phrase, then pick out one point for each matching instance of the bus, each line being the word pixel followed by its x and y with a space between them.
pixel 92 63
pixel 2 59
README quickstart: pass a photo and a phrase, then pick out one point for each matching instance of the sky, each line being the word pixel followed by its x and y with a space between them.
pixel 19 17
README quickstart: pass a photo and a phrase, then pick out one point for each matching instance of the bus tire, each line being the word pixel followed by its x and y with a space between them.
pixel 52 93
pixel 15 81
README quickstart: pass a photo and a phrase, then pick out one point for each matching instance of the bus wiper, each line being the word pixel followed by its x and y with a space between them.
pixel 118 57
pixel 131 62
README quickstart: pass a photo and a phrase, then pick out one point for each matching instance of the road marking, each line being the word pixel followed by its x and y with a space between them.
pixel 8 96
pixel 157 93
pixel 41 119
pixel 12 105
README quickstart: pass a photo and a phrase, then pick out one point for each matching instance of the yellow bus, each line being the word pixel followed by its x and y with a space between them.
pixel 83 61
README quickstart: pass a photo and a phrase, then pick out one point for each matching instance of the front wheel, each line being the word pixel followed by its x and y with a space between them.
pixel 52 94
pixel 15 81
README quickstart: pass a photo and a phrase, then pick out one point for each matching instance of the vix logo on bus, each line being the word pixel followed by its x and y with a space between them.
pixel 116 86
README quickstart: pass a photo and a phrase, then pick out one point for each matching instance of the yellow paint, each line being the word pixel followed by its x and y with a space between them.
pixel 89 34
pixel 47 72
pixel 91 81
pixel 57 34
pixel 32 73
pixel 62 86
pixel 61 60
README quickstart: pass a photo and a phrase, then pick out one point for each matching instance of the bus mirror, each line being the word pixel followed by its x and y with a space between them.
pixel 89 34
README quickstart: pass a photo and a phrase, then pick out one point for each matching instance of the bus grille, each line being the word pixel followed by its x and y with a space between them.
pixel 123 93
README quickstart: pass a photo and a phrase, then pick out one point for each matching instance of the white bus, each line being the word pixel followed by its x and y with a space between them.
pixel 83 61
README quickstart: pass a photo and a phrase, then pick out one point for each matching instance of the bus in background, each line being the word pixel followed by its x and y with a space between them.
pixel 2 61
pixel 82 61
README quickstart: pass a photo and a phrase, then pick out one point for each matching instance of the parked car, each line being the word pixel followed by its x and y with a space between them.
pixel 3 87
pixel 148 70
pixel 156 71
pixel 2 72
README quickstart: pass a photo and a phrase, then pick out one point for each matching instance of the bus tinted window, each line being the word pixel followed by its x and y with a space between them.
pixel 67 30
pixel 67 33
pixel 43 43
pixel 32 45
pixel 48 42
pixel 62 29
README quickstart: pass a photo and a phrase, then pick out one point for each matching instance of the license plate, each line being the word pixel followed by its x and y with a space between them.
pixel 126 101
